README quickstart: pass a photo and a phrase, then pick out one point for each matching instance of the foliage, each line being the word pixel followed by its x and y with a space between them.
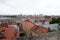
pixel 59 29
pixel 22 34
pixel 49 30
pixel 55 20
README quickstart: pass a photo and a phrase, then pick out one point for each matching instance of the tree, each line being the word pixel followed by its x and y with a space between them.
pixel 55 20
pixel 22 34
pixel 49 30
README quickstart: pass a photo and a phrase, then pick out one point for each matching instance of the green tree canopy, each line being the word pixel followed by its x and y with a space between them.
pixel 55 20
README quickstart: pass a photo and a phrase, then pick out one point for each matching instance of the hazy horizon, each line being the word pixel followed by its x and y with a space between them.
pixel 29 7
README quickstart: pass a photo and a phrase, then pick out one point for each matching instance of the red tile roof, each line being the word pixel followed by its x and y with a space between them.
pixel 34 28
pixel 9 33
pixel 41 30
pixel 28 24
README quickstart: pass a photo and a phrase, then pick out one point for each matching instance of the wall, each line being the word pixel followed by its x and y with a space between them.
pixel 47 36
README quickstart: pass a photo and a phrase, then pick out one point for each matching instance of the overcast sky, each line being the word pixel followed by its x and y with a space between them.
pixel 26 7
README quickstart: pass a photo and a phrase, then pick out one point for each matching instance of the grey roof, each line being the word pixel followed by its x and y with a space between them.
pixel 51 26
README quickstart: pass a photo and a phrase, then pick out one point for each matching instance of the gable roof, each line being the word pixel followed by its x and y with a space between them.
pixel 34 27
pixel 28 24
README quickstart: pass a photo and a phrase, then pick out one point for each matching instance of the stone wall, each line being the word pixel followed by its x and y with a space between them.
pixel 48 36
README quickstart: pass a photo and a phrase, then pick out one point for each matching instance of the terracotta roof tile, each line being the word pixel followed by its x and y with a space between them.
pixel 34 27
pixel 28 24
pixel 41 30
